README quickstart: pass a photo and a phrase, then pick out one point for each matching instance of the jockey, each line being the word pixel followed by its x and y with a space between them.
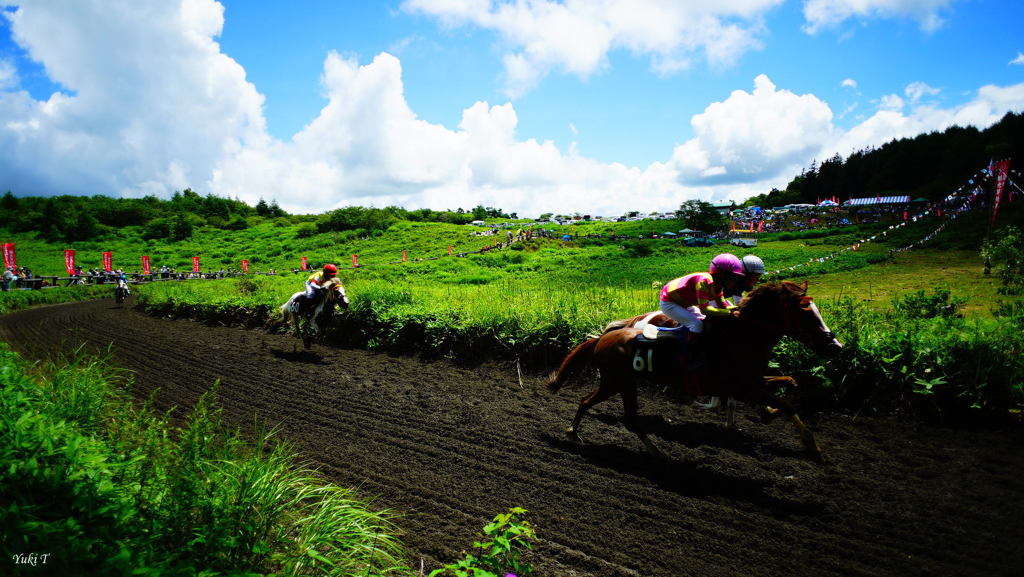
pixel 753 268
pixel 122 282
pixel 316 281
pixel 690 299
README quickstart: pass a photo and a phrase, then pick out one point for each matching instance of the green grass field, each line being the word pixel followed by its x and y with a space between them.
pixel 536 299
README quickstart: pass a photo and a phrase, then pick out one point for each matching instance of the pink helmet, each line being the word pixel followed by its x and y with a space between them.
pixel 726 262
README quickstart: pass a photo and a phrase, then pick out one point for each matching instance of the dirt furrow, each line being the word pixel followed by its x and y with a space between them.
pixel 449 446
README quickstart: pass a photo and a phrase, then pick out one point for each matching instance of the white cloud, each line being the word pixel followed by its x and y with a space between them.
pixel 752 136
pixel 8 75
pixel 155 103
pixel 989 105
pixel 1019 60
pixel 576 36
pixel 367 147
pixel 821 14
pixel 918 90
pixel 153 106
pixel 849 83
pixel 891 102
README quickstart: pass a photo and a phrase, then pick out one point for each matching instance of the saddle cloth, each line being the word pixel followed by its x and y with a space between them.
pixel 303 304
pixel 663 354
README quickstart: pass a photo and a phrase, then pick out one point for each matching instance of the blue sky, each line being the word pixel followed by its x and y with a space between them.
pixel 596 107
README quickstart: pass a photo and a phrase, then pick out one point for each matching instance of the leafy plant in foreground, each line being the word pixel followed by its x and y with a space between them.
pixel 506 538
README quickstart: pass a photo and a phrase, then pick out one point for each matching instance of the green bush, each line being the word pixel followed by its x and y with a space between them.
pixel 918 305
pixel 133 495
pixel 1006 255
pixel 939 368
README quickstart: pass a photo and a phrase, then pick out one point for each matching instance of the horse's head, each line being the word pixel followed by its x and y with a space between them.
pixel 337 292
pixel 785 307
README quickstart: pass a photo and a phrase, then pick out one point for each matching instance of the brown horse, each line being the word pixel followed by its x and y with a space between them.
pixel 738 352
pixel 660 319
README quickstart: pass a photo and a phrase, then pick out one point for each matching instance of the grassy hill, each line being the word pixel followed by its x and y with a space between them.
pixel 915 322
pixel 543 263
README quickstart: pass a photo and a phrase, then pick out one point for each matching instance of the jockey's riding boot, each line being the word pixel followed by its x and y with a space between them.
pixel 696 353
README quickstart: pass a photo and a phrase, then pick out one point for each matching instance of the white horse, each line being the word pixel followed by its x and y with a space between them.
pixel 333 295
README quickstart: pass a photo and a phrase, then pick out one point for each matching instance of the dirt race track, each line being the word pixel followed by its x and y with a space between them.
pixel 450 446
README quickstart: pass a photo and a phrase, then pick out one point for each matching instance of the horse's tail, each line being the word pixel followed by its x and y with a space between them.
pixel 282 316
pixel 572 363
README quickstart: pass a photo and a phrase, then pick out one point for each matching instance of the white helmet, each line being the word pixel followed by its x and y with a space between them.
pixel 753 265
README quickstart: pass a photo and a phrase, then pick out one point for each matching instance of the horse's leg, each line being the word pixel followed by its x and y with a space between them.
pixel 297 322
pixel 783 406
pixel 769 412
pixel 629 408
pixel 604 391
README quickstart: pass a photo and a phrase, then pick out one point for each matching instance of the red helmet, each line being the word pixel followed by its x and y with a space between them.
pixel 330 269
pixel 726 262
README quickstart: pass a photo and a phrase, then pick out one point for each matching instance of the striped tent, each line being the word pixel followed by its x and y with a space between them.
pixel 904 199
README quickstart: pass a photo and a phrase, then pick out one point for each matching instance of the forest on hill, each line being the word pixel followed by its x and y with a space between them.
pixel 928 166
pixel 81 218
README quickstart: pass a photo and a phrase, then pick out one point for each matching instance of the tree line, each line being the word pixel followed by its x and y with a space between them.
pixel 928 166
pixel 80 218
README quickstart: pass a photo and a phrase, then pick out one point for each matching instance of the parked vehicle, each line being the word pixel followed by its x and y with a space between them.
pixel 698 238
pixel 745 239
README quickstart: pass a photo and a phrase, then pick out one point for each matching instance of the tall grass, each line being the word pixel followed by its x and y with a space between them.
pixel 13 300
pixel 105 488
pixel 934 366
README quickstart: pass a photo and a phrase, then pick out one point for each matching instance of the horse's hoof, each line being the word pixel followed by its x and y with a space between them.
pixel 653 450
pixel 767 414
pixel 573 436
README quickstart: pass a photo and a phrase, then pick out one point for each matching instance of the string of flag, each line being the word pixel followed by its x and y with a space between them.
pixel 971 191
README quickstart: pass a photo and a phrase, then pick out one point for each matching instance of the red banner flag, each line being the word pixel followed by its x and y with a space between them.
pixel 449 250
pixel 146 269
pixel 195 264
pixel 760 226
pixel 108 261
pixel 403 256
pixel 245 265
pixel 355 260
pixel 69 261
pixel 10 260
pixel 1002 172
pixel 305 263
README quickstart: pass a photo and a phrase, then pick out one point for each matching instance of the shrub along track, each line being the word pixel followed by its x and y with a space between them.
pixel 447 447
